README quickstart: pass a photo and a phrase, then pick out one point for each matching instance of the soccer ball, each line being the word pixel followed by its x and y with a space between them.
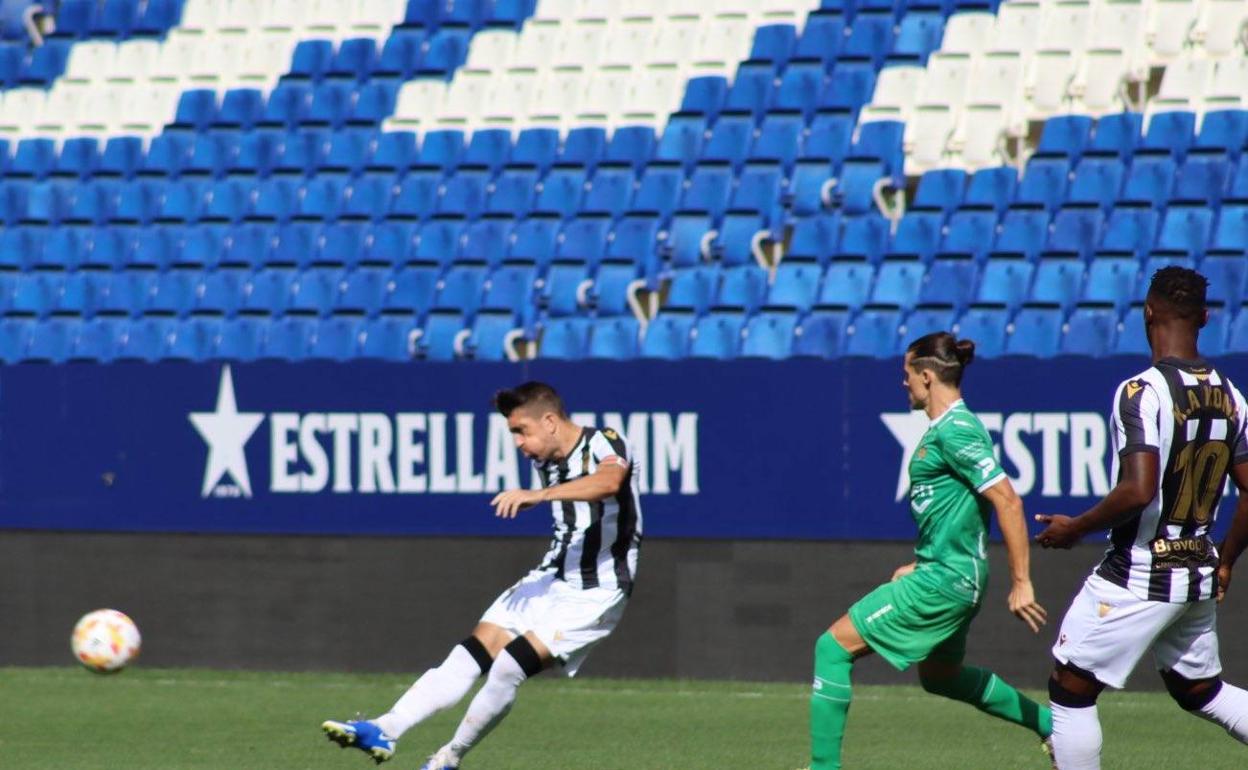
pixel 105 641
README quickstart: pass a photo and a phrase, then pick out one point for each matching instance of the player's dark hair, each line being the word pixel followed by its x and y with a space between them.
pixel 1183 290
pixel 537 395
pixel 943 354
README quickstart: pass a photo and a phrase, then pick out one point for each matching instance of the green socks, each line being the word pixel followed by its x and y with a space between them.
pixel 990 694
pixel 829 702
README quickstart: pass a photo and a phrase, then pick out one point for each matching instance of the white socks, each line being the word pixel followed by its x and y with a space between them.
pixel 439 688
pixel 491 704
pixel 1076 737
pixel 1229 708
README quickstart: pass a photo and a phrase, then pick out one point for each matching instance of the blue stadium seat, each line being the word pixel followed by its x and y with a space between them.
pixel 196 110
pixel 418 194
pixel 157 17
pixel 1131 338
pixel 752 89
pixel 566 338
pixel 872 38
pixel 1036 331
pixel 1202 179
pixel 779 138
pixel 744 286
pixel 1097 181
pixel 487 239
pixel 864 236
pixel 637 145
pixel 322 197
pixel 534 239
pixel 373 103
pixel 681 143
pixel 565 289
pixel 1044 182
pixel 688 239
pixel 1117 134
pixel 1185 231
pixel 730 139
pixel 898 282
pixel 759 189
pixel 438 340
pixel 463 194
pixel 122 157
pixel 1090 330
pixel 584 238
pixel 610 190
pixel 941 190
pixel 73 18
pixel 1005 281
pixel 511 287
pixel 693 288
pixel 269 291
pixel 822 36
pixel 1130 229
pixel 774 43
pixel 1065 135
pixel 243 338
pixel 463 287
pixel 769 335
pixel 413 287
pixel 614 339
pixel 355 58
pixel 634 239
pixel 241 109
pixel 949 281
pixel 45 64
pixel 796 285
pixel 1074 232
pixel 489 147
pixel 705 95
pixel 1214 338
pixel 442 149
pixel 918 234
pixel 147 338
pixel 741 234
pixel 992 187
pixel 363 291
pixel 447 50
pixel 290 338
pixel 1223 130
pixel 1170 133
pixel 390 242
pixel 336 339
pixel 830 136
pixel 1149 181
pixel 315 290
pixel 332 102
pixel 394 151
pixel 815 237
pixel 611 285
pixel 811 181
pixel 176 292
pixel 33 158
pixel 79 157
pixel 1112 280
pixel 513 191
pixel 847 283
pixel 536 147
pixel 1022 233
pixel 986 324
pixel 667 336
pixel 114 18
pixel 401 54
pixel 15 338
pixel 311 60
pixel 800 86
pixel 873 333
pixel 343 243
pixel 387 337
pixel 489 334
pixel 882 140
pixel 717 335
pixel 54 339
pixel 561 191
pixel 195 339
pixel 918 35
pixel 856 186
pixel 821 334
pixel 1226 273
pixel 1058 281
pixel 661 186
pixel 969 233
pixel 1230 236
pixel 585 146
pixel 928 319
pixel 288 105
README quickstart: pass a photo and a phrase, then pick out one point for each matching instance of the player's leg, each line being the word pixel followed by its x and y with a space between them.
pixel 442 687
pixel 523 657
pixel 944 674
pixel 835 653
pixel 1076 723
pixel 1187 658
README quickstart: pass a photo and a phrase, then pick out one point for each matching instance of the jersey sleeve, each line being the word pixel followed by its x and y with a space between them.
pixel 609 447
pixel 968 451
pixel 1136 411
pixel 1241 440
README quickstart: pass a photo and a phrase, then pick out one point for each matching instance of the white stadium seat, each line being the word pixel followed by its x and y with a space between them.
pixel 1065 27
pixel 417 102
pixel 536 41
pixel 581 46
pixel 201 16
pixel 997 78
pixel 654 95
pixel 1015 28
pixel 510 97
pixel 1183 84
pixel 1229 83
pixel 981 138
pixel 134 58
pixel 895 93
pixel 265 58
pixel 91 61
pixel 626 41
pixel 1097 87
pixel 1220 29
pixel 1119 26
pixel 968 33
pixel 147 109
pixel 948 76
pixel 1048 83
pixel 492 49
pixel 652 10
pixel 558 95
pixel 724 39
pixel 1169 29
pixel 606 91
pixel 927 137
pixel 20 109
pixel 673 42
pixel 464 97
pixel 376 18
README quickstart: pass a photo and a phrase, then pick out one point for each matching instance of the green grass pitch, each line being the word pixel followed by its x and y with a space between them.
pixel 68 718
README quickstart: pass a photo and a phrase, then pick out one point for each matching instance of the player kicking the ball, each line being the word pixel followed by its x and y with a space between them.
pixel 1178 430
pixel 556 613
pixel 924 614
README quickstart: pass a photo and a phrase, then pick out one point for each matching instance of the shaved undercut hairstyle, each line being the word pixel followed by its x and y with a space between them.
pixel 537 396
pixel 944 355
pixel 1182 291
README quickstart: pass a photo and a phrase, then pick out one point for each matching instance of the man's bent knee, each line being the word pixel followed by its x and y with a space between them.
pixel 1191 694
pixel 1073 687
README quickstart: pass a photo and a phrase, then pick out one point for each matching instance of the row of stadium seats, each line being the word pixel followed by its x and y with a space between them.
pixel 119 19
pixel 1037 330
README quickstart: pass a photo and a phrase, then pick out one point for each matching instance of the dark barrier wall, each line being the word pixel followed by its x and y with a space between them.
pixel 702 609
pixel 796 449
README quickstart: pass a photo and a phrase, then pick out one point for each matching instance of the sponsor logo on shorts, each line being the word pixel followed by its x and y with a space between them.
pixel 874 616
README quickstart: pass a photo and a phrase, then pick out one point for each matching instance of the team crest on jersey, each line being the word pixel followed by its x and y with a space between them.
pixel 1133 389
pixel 922 453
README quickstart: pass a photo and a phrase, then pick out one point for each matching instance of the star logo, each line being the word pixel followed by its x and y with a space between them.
pixel 908 428
pixel 226 432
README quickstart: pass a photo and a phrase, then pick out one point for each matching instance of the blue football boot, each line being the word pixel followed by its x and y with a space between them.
pixel 365 736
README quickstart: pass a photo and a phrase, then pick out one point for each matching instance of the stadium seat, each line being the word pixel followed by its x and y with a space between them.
pixel 566 338
pixel 874 333
pixel 717 335
pixel 986 324
pixel 769 334
pixel 437 341
pixel 614 339
pixel 667 336
pixel 821 334
pixel 1090 330
pixel 1036 331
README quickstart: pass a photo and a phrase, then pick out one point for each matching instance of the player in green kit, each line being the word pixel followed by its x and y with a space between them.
pixel 924 614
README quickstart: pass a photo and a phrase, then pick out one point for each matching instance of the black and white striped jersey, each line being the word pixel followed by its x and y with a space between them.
pixel 1195 420
pixel 595 544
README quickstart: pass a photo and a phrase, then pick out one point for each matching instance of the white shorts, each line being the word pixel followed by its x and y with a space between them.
pixel 569 621
pixel 1108 629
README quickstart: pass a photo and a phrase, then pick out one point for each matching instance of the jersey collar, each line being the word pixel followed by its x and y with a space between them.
pixel 946 413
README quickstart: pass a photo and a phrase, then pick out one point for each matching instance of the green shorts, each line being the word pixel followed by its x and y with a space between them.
pixel 908 621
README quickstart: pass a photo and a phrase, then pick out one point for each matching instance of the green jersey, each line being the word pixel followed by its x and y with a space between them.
pixel 952 466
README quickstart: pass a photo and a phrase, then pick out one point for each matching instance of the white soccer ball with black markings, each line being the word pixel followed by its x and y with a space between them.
pixel 105 641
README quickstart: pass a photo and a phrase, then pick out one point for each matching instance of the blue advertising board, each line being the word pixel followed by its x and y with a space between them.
pixel 796 449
